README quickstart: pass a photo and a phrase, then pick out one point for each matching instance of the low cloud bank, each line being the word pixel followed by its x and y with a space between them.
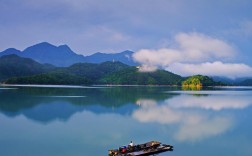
pixel 194 53
pixel 231 70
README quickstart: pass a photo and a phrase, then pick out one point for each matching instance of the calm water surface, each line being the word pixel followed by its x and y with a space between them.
pixel 87 121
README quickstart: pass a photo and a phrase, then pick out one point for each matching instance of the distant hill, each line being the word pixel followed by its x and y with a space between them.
pixel 63 56
pixel 10 51
pixel 247 82
pixel 124 57
pixel 15 66
pixel 229 81
pixel 46 53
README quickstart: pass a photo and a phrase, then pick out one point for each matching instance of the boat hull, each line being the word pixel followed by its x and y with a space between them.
pixel 149 148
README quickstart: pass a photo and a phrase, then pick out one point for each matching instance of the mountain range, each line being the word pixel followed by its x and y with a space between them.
pixel 18 70
pixel 63 56
pixel 60 62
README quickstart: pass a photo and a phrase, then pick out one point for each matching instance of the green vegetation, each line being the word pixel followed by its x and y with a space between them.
pixel 94 72
pixel 15 66
pixel 127 76
pixel 198 81
pixel 131 76
pixel 77 74
pixel 54 78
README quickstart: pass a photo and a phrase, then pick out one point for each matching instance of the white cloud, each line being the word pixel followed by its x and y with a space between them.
pixel 212 69
pixel 192 47
pixel 147 68
pixel 195 53
pixel 200 47
pixel 161 57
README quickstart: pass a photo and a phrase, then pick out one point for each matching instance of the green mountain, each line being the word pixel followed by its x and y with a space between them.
pixel 131 76
pixel 77 74
pixel 15 66
pixel 94 71
pixel 105 73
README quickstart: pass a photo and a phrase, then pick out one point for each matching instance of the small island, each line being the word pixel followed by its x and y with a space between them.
pixel 196 82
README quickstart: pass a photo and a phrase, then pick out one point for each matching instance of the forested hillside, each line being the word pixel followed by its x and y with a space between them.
pixel 15 66
pixel 131 76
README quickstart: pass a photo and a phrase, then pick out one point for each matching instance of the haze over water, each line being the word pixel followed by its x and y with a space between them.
pixel 87 121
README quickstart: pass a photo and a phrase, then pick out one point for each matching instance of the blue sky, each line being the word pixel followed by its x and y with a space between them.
pixel 90 26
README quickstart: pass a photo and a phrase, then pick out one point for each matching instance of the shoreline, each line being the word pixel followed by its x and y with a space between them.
pixel 108 85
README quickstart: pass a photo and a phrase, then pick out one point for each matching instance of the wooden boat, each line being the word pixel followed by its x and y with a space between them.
pixel 149 148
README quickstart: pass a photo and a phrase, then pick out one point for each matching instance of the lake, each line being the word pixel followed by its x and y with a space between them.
pixel 87 121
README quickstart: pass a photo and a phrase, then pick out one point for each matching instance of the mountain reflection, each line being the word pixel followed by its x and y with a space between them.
pixel 48 104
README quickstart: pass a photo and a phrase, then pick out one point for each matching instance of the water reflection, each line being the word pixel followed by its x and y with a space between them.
pixel 190 113
pixel 192 87
pixel 192 125
pixel 81 120
pixel 49 104
pixel 212 102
